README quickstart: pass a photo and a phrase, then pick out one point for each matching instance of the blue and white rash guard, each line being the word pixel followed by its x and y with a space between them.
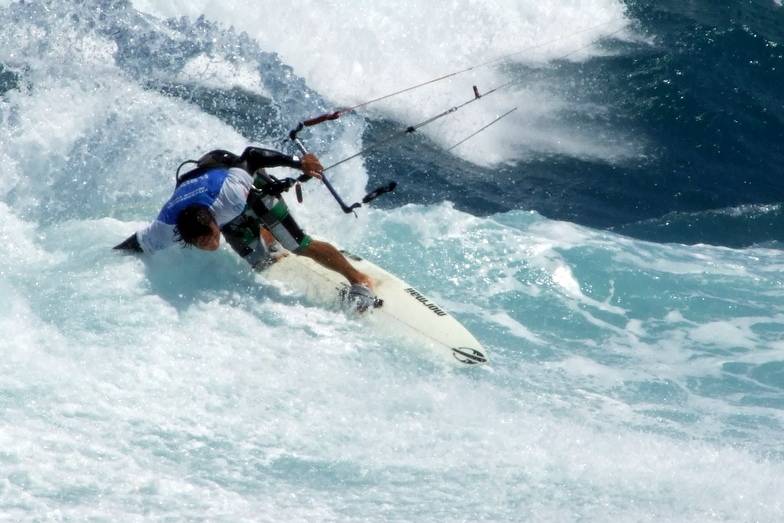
pixel 224 191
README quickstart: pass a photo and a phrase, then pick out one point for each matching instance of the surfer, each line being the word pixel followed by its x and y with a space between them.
pixel 233 196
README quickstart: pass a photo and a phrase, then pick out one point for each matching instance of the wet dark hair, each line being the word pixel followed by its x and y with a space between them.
pixel 193 222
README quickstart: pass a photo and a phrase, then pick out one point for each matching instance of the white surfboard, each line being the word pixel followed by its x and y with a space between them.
pixel 403 311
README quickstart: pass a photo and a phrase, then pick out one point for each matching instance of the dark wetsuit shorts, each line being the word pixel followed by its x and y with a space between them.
pixel 242 233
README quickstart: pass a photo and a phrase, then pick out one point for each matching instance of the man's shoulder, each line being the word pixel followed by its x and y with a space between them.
pixel 239 174
pixel 204 175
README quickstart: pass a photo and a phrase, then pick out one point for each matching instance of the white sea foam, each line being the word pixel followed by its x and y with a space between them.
pixel 356 52
pixel 629 380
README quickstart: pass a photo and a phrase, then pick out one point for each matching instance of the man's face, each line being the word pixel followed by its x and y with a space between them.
pixel 210 241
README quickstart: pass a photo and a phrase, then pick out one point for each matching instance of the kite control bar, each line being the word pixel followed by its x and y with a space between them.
pixel 348 209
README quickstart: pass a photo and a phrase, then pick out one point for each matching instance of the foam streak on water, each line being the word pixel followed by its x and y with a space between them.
pixel 630 381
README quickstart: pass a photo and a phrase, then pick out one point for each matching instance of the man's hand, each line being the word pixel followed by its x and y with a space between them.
pixel 311 166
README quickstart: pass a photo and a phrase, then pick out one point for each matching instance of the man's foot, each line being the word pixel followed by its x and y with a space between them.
pixel 359 298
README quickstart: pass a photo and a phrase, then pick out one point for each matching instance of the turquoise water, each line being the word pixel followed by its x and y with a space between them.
pixel 629 380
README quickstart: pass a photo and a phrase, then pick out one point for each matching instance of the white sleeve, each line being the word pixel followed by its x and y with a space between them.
pixel 233 196
pixel 156 237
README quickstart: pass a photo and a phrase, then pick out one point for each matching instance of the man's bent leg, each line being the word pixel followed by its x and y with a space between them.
pixel 328 256
pixel 274 213
pixel 242 234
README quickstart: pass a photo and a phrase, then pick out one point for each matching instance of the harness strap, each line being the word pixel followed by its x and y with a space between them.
pixel 211 160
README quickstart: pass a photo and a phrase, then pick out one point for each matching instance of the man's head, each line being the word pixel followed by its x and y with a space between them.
pixel 196 226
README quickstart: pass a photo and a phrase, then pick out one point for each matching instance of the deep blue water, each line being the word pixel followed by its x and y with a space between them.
pixel 704 93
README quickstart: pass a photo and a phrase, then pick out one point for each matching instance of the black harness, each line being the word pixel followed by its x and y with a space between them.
pixel 224 159
pixel 208 162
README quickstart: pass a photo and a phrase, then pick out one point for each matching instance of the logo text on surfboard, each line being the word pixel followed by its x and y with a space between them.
pixel 424 301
